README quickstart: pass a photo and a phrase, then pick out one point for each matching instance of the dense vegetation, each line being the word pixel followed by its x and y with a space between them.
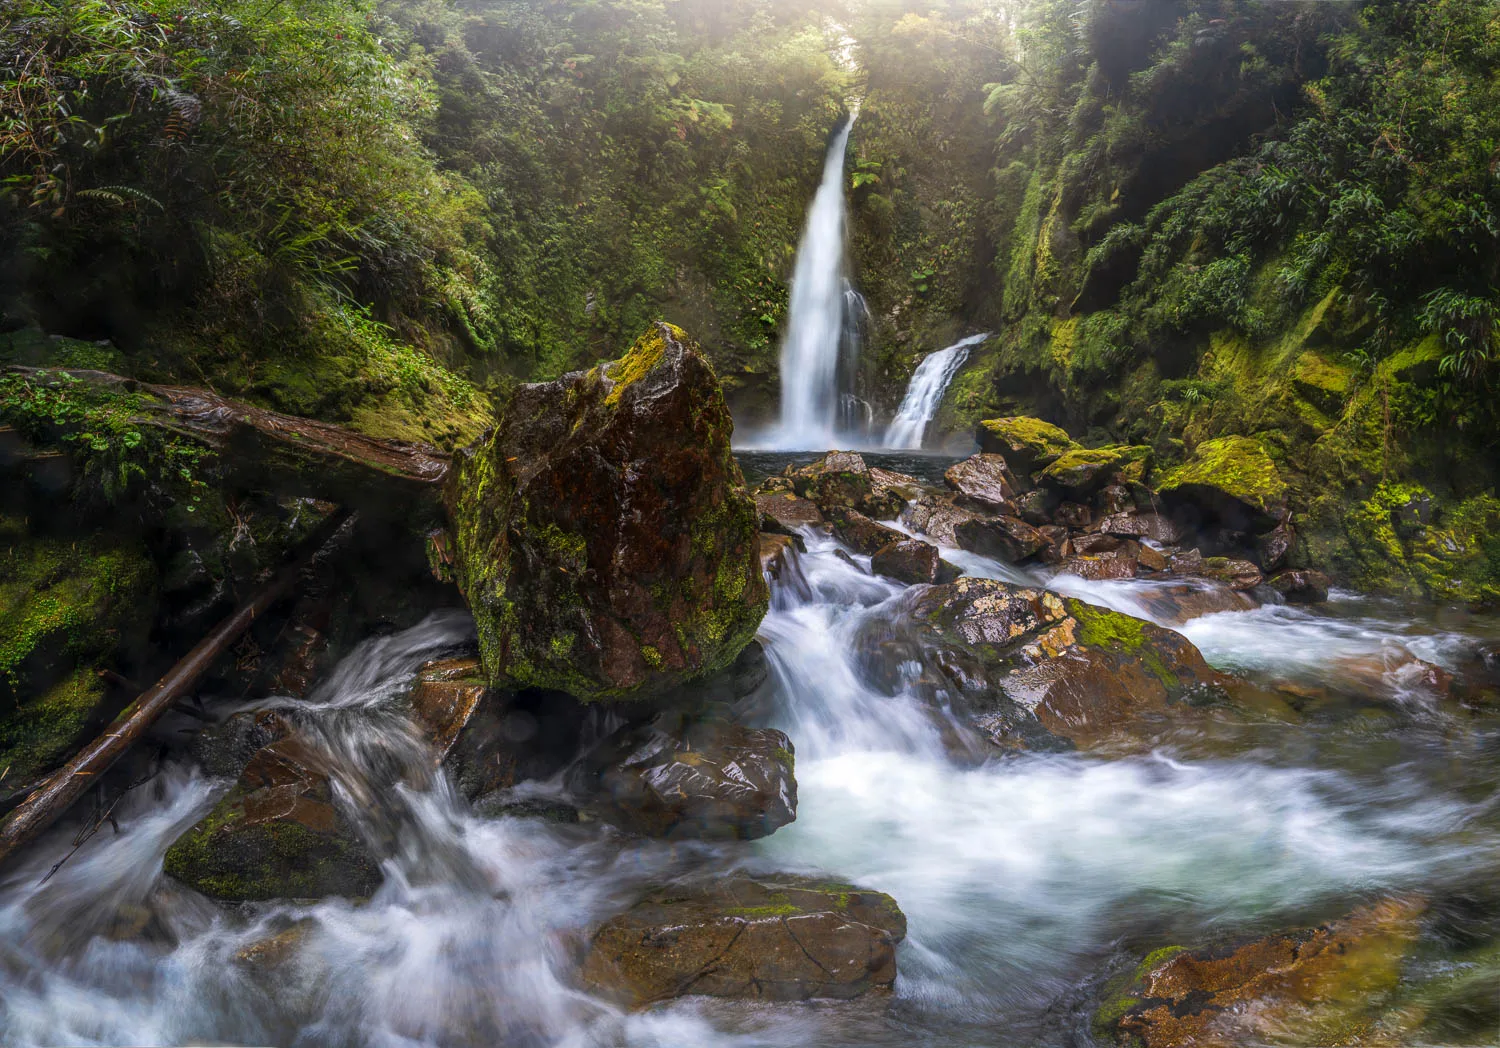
pixel 1180 219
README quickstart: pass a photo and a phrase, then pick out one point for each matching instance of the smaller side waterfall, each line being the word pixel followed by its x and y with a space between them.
pixel 925 393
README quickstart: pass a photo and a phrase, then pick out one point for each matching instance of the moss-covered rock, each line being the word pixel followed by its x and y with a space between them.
pixel 604 538
pixel 275 835
pixel 774 938
pixel 1404 540
pixel 1037 670
pixel 1080 472
pixel 1331 985
pixel 1028 444
pixel 68 607
pixel 1232 481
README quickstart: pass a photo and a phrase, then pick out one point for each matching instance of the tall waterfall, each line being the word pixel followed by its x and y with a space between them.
pixel 824 319
pixel 928 384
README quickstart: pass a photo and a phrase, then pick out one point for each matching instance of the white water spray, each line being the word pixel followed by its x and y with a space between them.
pixel 925 393
pixel 817 319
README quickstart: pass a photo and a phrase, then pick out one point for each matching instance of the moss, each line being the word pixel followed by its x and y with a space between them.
pixel 1044 440
pixel 1082 466
pixel 643 357
pixel 1237 466
pixel 782 910
pixel 1118 632
pixel 41 732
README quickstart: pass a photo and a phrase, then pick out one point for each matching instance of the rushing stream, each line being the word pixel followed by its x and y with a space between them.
pixel 1025 881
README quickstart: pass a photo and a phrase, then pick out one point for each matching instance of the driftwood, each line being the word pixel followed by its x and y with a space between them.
pixel 286 454
pixel 49 801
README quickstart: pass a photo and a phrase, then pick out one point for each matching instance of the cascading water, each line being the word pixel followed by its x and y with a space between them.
pixel 925 392
pixel 819 350
pixel 1023 879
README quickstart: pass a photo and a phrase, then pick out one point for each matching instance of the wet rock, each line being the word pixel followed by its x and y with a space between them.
pixel 604 539
pixel 510 737
pixel 677 777
pixel 1179 602
pixel 1073 515
pixel 1058 544
pixel 1240 574
pixel 1188 562
pixel 773 938
pixel 936 516
pixel 859 532
pixel 1095 542
pixel 275 835
pixel 1331 985
pixel 1036 506
pixel 1301 586
pixel 776 555
pixel 1099 567
pixel 1151 559
pixel 1114 499
pixel 787 514
pixel 984 482
pixel 444 700
pixel 1151 526
pixel 839 478
pixel 1028 444
pixel 1230 481
pixel 1007 538
pixel 1035 670
pixel 1272 548
pixel 909 560
pixel 225 749
pixel 889 493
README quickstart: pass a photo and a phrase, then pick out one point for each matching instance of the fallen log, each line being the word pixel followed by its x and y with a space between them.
pixel 290 455
pixel 49 801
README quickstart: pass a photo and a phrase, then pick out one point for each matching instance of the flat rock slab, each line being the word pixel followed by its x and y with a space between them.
pixel 777 938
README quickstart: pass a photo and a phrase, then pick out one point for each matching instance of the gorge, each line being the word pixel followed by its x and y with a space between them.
pixel 606 589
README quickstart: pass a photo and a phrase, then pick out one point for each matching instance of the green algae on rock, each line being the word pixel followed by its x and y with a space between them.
pixel 1027 443
pixel 603 535
pixel 1234 479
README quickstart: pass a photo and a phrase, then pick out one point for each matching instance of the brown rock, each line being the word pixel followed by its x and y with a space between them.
pixel 1301 586
pixel 1241 574
pixel 603 536
pixel 936 516
pixel 859 532
pixel 889 493
pixel 1101 567
pixel 778 938
pixel 984 482
pixel 786 514
pixel 1095 542
pixel 443 700
pixel 1058 544
pixel 909 560
pixel 1008 538
pixel 838 479
pixel 1179 602
pixel 1189 562
pixel 1151 559
pixel 1151 526
pixel 776 554
pixel 1331 985
pixel 1073 515
pixel 1274 546
pixel 1113 499
pixel 709 778
pixel 1036 506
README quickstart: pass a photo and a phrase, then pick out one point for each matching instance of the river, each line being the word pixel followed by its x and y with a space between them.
pixel 1026 881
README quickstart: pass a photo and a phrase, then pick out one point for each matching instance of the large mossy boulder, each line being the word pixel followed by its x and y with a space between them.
pixel 1230 481
pixel 1028 444
pixel 1031 669
pixel 276 834
pixel 69 606
pixel 1334 984
pixel 603 535
pixel 775 938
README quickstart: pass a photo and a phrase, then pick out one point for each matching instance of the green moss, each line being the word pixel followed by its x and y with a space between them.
pixel 1238 467
pixel 1044 440
pixel 1081 466
pixel 1116 631
pixel 782 910
pixel 643 357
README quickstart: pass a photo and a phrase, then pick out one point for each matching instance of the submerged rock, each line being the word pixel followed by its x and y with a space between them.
pixel 1028 444
pixel 276 834
pixel 1182 601
pixel 1037 670
pixel 772 938
pixel 1331 985
pixel 604 538
pixel 1300 586
pixel 680 778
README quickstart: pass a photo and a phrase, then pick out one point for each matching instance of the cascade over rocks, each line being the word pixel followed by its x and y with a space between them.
pixel 1038 670
pixel 772 938
pixel 604 538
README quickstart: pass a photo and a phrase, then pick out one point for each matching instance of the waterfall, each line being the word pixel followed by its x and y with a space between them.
pixel 925 393
pixel 823 319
